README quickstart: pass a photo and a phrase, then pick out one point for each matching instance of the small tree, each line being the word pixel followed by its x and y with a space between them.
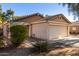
pixel 18 34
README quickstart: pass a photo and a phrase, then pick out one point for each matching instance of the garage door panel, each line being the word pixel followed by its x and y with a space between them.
pixel 40 30
pixel 57 31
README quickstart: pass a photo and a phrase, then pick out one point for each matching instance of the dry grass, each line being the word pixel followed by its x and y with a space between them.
pixel 25 46
pixel 64 52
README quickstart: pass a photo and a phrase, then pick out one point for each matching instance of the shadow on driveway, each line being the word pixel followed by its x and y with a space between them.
pixel 65 42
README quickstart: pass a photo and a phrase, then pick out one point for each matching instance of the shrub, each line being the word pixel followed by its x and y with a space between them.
pixel 41 46
pixel 18 34
pixel 1 32
pixel 58 45
pixel 1 43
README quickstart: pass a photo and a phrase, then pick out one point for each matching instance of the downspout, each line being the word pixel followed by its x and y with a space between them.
pixel 30 30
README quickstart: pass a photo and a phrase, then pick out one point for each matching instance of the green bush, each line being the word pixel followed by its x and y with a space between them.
pixel 41 46
pixel 18 34
pixel 1 43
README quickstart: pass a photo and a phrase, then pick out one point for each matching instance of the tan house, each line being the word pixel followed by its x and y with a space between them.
pixel 49 27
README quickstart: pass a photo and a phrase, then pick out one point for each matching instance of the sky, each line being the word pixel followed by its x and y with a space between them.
pixel 22 9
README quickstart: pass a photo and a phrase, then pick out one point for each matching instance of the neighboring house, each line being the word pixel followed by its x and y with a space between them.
pixel 49 27
pixel 74 28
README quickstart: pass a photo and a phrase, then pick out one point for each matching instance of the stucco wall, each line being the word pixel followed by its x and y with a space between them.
pixel 5 26
pixel 59 19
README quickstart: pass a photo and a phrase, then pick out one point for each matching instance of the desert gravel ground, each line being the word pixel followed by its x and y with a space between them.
pixel 70 51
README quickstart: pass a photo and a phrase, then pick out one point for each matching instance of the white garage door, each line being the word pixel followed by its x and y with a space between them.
pixel 57 32
pixel 40 30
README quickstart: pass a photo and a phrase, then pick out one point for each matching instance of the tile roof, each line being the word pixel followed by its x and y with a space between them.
pixel 24 17
pixel 47 18
pixel 54 16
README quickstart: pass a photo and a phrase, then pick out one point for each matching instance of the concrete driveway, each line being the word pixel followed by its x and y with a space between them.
pixel 73 42
pixel 68 41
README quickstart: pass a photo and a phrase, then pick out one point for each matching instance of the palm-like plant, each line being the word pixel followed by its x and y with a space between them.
pixel 0 9
pixel 0 14
pixel 9 14
pixel 3 16
pixel 6 16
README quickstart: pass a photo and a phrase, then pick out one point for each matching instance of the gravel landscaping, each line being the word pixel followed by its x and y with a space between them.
pixel 15 52
pixel 25 49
